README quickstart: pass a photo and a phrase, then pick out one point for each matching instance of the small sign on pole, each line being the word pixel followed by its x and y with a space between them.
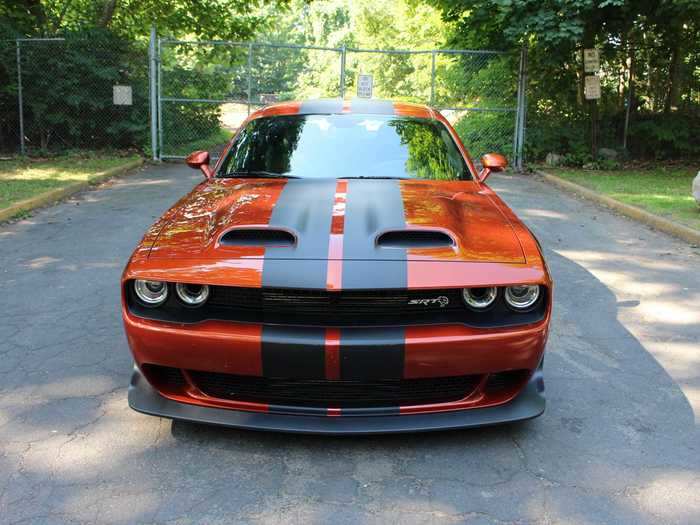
pixel 364 86
pixel 591 61
pixel 121 95
pixel 591 88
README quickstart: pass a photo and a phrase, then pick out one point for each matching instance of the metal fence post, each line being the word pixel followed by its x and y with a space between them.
pixel 152 93
pixel 20 101
pixel 432 80
pixel 159 93
pixel 523 113
pixel 519 135
pixel 343 52
pixel 516 130
pixel 250 76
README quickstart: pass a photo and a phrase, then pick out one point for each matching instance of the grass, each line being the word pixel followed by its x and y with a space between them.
pixel 22 178
pixel 663 191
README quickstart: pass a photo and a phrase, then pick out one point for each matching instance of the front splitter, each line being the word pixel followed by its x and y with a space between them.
pixel 528 404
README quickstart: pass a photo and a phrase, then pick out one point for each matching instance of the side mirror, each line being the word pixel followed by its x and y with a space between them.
pixel 492 162
pixel 199 160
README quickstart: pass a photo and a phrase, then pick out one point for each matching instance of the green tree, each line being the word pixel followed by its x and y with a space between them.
pixel 654 41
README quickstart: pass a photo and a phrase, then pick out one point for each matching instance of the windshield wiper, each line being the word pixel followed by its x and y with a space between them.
pixel 258 174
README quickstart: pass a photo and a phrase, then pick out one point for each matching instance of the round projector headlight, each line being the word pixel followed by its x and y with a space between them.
pixel 479 298
pixel 151 293
pixel 192 294
pixel 523 296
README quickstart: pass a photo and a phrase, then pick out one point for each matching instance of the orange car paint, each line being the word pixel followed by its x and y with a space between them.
pixel 492 248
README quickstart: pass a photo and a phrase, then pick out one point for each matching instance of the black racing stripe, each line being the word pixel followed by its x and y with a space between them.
pixel 305 206
pixel 372 107
pixel 372 207
pixel 372 353
pixel 327 106
pixel 383 411
pixel 285 409
pixel 293 353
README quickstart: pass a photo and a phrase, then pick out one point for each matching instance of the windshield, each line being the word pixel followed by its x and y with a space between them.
pixel 345 146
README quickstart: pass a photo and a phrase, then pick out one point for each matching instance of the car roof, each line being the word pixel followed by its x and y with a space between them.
pixel 338 105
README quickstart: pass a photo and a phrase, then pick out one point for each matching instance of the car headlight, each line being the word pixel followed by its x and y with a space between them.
pixel 479 298
pixel 192 294
pixel 151 293
pixel 523 296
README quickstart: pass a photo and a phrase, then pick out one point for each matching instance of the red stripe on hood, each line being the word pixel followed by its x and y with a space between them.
pixel 334 278
pixel 332 353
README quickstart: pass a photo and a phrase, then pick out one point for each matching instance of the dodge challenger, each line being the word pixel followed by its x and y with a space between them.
pixel 343 268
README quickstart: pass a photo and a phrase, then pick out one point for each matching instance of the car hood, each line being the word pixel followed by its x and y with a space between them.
pixel 338 219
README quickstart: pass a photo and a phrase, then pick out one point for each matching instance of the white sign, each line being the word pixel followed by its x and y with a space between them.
pixel 591 61
pixel 268 98
pixel 121 96
pixel 364 86
pixel 591 88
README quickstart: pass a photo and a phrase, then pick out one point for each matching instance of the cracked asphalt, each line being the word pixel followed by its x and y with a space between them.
pixel 619 442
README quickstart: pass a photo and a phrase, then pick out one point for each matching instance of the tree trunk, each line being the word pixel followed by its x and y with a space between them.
pixel 630 93
pixel 673 93
pixel 107 13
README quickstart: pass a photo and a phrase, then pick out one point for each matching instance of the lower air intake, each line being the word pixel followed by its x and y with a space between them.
pixel 323 393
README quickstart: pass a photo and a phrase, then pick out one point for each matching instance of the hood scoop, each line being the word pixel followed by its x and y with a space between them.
pixel 267 237
pixel 415 239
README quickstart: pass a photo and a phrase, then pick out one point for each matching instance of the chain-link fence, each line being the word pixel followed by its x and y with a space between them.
pixel 206 88
pixel 98 93
pixel 9 115
pixel 74 94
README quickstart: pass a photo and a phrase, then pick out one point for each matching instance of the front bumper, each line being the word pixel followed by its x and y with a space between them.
pixel 529 403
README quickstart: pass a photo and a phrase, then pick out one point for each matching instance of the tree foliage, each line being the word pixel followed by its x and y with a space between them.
pixel 211 19
pixel 654 42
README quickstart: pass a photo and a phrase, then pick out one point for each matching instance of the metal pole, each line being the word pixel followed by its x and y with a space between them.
pixel 520 113
pixel 20 101
pixel 523 114
pixel 343 52
pixel 432 81
pixel 159 90
pixel 152 87
pixel 518 110
pixel 250 76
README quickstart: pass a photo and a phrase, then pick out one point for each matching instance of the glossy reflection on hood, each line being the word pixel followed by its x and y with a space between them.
pixel 458 208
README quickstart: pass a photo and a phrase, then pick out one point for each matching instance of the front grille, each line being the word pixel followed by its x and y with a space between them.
pixel 323 393
pixel 345 308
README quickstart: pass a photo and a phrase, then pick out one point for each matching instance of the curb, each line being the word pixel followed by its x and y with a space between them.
pixel 658 223
pixel 49 197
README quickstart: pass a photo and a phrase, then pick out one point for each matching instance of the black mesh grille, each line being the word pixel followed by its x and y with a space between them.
pixel 339 393
pixel 164 377
pixel 340 308
pixel 414 239
pixel 503 382
pixel 258 237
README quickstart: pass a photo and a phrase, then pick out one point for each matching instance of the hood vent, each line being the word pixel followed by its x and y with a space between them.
pixel 258 237
pixel 414 239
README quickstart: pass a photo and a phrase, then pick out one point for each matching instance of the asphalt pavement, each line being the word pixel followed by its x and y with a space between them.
pixel 619 442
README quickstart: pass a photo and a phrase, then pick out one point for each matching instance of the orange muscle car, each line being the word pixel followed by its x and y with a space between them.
pixel 343 268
